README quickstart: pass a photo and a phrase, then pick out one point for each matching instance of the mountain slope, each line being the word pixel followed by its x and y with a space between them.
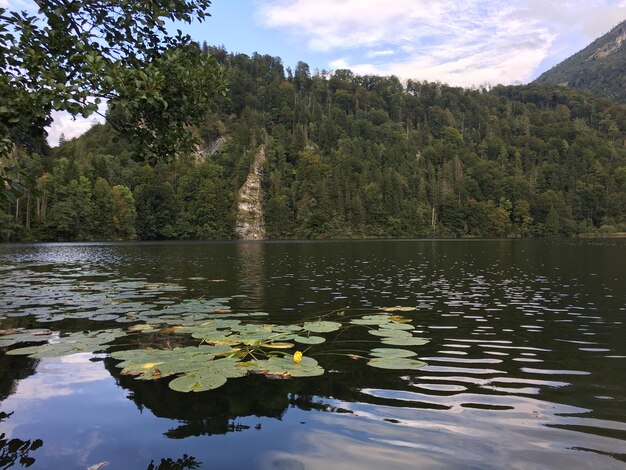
pixel 600 68
pixel 345 156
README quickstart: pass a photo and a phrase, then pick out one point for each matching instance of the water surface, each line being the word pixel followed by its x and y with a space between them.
pixel 526 363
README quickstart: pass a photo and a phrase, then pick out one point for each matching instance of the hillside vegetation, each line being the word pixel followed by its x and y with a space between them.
pixel 346 156
pixel 599 69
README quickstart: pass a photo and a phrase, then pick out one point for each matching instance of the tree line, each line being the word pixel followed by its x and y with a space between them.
pixel 347 156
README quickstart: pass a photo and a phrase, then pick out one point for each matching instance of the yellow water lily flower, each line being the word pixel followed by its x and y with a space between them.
pixel 297 357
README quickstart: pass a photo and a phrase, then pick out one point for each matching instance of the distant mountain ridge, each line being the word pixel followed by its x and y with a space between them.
pixel 599 68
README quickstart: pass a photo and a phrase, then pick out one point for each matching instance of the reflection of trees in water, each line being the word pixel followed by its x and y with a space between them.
pixel 15 451
pixel 220 411
pixel 183 463
pixel 14 369
pixel 251 268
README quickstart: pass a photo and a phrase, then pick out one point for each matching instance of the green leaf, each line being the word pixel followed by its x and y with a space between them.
pixel 197 382
pixel 397 326
pixel 404 341
pixel 390 333
pixel 395 363
pixel 309 339
pixel 307 367
pixel 392 352
pixel 399 309
pixel 70 344
pixel 372 320
pixel 321 326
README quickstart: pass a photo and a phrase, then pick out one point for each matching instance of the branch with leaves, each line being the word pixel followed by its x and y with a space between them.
pixel 72 54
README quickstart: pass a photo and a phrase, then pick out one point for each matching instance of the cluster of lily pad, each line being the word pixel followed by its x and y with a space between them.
pixel 72 343
pixel 229 347
pixel 56 297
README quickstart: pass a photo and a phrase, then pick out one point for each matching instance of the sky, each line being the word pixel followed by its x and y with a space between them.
pixel 462 43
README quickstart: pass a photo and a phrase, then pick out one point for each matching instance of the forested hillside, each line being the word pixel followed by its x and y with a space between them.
pixel 346 156
pixel 599 68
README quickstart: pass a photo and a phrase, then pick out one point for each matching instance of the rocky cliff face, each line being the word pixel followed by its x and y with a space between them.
pixel 250 224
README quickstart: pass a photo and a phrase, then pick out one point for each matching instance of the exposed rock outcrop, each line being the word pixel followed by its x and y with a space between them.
pixel 249 224
pixel 210 149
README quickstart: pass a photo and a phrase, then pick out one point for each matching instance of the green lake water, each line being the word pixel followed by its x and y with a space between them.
pixel 522 363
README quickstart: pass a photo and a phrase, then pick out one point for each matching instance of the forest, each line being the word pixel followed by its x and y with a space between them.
pixel 348 156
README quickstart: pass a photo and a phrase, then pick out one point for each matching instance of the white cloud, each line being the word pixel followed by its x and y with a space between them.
pixel 341 63
pixel 462 43
pixel 69 126
pixel 386 52
pixel 18 5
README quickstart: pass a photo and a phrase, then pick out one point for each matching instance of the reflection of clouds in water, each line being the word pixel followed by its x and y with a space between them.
pixel 377 436
pixel 92 440
pixel 60 376
pixel 326 450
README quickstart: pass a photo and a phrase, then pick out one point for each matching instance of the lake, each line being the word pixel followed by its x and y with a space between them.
pixel 504 354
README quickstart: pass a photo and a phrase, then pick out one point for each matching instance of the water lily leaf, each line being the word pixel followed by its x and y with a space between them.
pixel 47 350
pixel 395 363
pixel 70 344
pixel 197 382
pixel 286 328
pixel 307 367
pixel 372 320
pixel 230 368
pixel 209 335
pixel 392 352
pixel 104 317
pixel 261 335
pixel 399 309
pixel 16 336
pixel 397 326
pixel 215 349
pixel 321 326
pixel 276 345
pixel 404 341
pixel 309 339
pixel 390 333
pixel 221 323
pixel 367 322
pixel 399 319
pixel 253 328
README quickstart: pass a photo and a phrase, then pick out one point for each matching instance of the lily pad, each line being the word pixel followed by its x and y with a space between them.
pixel 395 363
pixel 392 352
pixel 404 341
pixel 321 326
pixel 309 339
pixel 307 367
pixel 390 333
pixel 399 309
pixel 393 325
pixel 372 320
pixel 197 382
pixel 277 345
pixel 19 335
pixel 70 344
pixel 287 328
